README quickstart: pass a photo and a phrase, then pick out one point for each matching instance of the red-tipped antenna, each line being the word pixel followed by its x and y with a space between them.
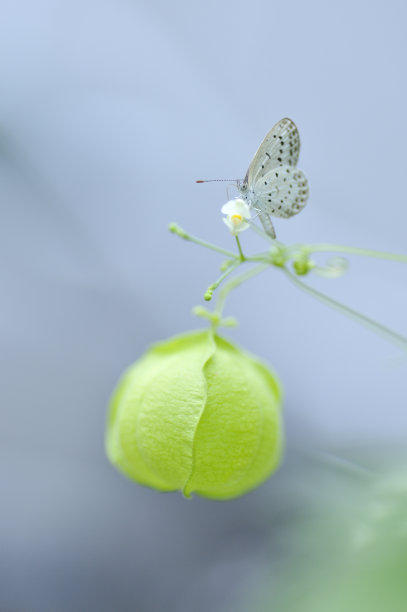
pixel 218 181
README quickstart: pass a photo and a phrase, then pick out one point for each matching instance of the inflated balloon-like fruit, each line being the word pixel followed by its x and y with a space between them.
pixel 196 414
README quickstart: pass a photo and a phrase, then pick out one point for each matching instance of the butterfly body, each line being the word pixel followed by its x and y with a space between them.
pixel 273 186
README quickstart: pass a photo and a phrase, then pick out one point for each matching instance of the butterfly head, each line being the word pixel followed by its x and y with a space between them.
pixel 246 193
pixel 242 186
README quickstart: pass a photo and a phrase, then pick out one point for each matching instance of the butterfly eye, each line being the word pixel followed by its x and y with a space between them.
pixel 243 187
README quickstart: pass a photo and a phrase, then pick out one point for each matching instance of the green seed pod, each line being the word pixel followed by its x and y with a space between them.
pixel 196 414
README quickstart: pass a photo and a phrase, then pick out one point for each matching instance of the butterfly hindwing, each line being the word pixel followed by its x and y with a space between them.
pixel 282 192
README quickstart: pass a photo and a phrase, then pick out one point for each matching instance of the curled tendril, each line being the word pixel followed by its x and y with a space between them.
pixel 334 267
pixel 299 257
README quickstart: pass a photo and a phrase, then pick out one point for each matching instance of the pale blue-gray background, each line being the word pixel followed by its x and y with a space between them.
pixel 109 111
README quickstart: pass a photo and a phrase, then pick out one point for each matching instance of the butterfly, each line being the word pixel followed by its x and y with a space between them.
pixel 273 186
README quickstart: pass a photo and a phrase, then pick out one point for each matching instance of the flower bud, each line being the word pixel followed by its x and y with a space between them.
pixel 196 414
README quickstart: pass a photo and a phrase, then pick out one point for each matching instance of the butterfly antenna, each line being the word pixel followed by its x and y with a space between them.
pixel 218 181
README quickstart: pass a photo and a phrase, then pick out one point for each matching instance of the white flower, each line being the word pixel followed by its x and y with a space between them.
pixel 236 211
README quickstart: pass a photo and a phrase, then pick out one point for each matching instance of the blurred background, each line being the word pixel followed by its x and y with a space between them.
pixel 109 111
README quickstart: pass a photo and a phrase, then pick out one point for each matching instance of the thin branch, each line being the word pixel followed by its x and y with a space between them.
pixel 235 282
pixel 336 248
pixel 176 229
pixel 350 312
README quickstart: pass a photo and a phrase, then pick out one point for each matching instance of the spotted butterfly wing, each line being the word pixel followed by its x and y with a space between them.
pixel 282 192
pixel 281 146
pixel 273 186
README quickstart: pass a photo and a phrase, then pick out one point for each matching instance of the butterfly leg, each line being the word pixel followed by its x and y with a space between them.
pixel 267 224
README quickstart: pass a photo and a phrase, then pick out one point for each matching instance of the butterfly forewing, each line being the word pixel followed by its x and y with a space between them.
pixel 282 192
pixel 281 146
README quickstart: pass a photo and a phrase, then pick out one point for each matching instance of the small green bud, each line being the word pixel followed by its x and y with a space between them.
pixel 278 256
pixel 196 414
pixel 208 294
pixel 176 229
pixel 303 265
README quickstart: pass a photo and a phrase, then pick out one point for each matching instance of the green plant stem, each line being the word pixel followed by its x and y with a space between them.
pixel 235 282
pixel 336 248
pixel 239 246
pixel 340 463
pixel 266 260
pixel 215 285
pixel 175 229
pixel 265 256
pixel 350 312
